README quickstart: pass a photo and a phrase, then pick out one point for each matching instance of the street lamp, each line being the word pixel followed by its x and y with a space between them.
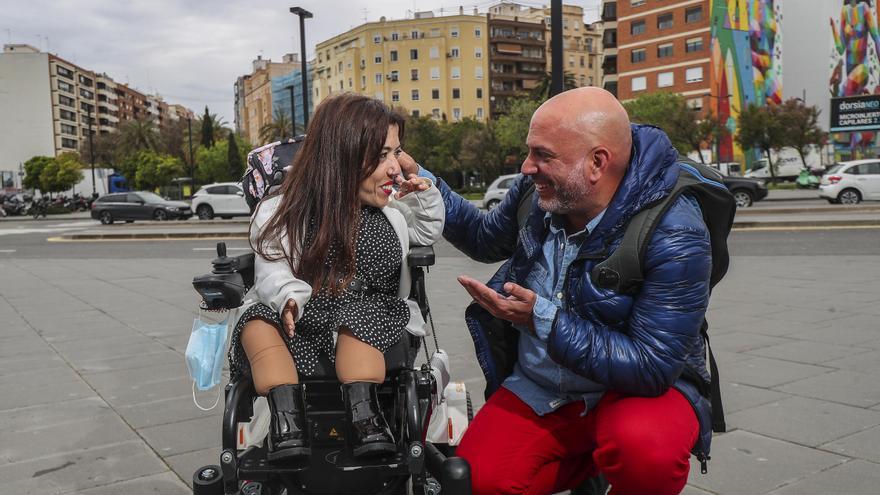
pixel 303 15
pixel 292 112
pixel 192 170
pixel 556 55
pixel 92 153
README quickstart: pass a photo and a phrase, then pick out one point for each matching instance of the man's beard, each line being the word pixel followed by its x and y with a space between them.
pixel 569 194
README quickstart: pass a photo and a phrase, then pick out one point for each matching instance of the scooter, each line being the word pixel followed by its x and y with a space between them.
pixel 807 179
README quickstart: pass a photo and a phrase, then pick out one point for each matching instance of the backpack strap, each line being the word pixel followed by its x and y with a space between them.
pixel 718 423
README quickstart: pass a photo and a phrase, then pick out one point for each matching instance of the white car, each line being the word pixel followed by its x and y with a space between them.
pixel 223 199
pixel 497 190
pixel 851 182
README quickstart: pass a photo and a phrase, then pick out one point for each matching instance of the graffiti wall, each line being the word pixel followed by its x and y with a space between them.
pixel 746 62
pixel 854 66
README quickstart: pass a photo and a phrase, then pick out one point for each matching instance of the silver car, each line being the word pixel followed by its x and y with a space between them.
pixel 497 190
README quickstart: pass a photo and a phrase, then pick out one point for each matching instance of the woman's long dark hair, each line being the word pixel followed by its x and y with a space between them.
pixel 319 210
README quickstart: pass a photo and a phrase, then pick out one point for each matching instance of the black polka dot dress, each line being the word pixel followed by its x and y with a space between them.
pixel 374 314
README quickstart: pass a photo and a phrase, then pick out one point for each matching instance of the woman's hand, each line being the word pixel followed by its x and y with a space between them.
pixel 413 184
pixel 408 165
pixel 288 317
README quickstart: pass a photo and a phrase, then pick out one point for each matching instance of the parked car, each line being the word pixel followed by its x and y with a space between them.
pixel 223 199
pixel 497 190
pixel 138 205
pixel 745 190
pixel 851 182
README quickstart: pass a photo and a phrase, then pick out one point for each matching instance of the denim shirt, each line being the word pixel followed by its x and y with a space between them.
pixel 537 380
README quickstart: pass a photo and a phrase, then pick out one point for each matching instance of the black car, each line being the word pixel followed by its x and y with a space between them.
pixel 139 205
pixel 745 190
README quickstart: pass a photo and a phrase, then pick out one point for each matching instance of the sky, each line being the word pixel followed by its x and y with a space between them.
pixel 191 51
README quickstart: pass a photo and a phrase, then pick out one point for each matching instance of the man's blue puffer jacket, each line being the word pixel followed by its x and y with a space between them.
pixel 636 345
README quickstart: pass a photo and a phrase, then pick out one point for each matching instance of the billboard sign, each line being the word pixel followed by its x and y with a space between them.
pixel 855 113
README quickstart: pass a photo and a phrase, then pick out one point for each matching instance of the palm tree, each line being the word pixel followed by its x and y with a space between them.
pixel 278 129
pixel 542 90
pixel 136 135
pixel 213 128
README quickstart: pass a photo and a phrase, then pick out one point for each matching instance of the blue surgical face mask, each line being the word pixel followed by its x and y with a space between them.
pixel 205 354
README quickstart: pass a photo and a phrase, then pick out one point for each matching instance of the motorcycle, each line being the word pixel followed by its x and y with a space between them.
pixel 807 179
pixel 40 207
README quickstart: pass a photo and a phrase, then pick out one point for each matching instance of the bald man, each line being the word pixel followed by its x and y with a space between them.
pixel 582 380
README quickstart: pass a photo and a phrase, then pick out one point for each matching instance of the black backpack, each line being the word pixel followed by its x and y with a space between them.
pixel 623 270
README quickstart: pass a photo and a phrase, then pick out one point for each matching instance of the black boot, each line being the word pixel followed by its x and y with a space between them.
pixel 370 433
pixel 288 435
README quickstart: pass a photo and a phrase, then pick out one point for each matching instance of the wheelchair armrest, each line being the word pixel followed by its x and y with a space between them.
pixel 229 281
pixel 420 256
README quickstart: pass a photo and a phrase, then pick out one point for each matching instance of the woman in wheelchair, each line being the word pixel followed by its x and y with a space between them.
pixel 330 274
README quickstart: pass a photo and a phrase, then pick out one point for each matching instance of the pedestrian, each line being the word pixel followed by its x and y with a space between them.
pixel 594 379
pixel 330 272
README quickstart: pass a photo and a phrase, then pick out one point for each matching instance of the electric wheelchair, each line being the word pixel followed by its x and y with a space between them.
pixel 408 397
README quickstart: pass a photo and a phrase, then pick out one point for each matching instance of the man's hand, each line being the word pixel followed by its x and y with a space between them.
pixel 516 308
pixel 413 184
pixel 288 315
pixel 408 166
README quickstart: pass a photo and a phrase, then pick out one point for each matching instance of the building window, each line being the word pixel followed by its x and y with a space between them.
pixel 395 36
pixel 456 114
pixel 68 143
pixel 339 67
pixel 435 52
pixel 341 86
pixel 378 78
pixel 350 84
pixel 694 14
pixel 693 45
pixel 582 61
pixel 637 56
pixel 85 107
pixel 415 35
pixel 377 58
pixel 664 21
pixel 414 74
pixel 415 113
pixel 435 73
pixel 665 79
pixel 664 50
pixel 392 56
pixel 63 86
pixel 456 93
pixel 395 76
pixel 68 129
pixel 435 94
pixel 479 93
pixel 64 72
pixel 695 104
pixel 636 3
pixel 453 52
pixel 377 38
pixel 7 179
pixel 363 82
pixel 639 83
pixel 478 73
pixel 637 28
pixel 67 115
pixel 694 74
pixel 480 113
pixel 85 81
pixel 478 53
pixel 379 96
pixel 456 73
pixel 453 31
pixel 395 96
pixel 66 101
pixel 435 113
pixel 478 32
pixel 415 95
pixel 435 32
pixel 571 60
pixel 413 53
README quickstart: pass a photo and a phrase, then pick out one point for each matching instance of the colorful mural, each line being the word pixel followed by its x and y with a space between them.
pixel 855 68
pixel 746 62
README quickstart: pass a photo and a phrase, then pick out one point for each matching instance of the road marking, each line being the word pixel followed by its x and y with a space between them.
pixel 151 239
pixel 228 249
pixel 7 250
pixel 807 227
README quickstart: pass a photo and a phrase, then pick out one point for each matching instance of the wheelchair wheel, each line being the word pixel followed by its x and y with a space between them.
pixel 208 480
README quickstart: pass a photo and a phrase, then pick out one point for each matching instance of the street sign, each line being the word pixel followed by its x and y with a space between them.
pixel 855 113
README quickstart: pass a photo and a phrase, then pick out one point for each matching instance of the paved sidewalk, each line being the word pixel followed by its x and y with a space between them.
pixel 96 398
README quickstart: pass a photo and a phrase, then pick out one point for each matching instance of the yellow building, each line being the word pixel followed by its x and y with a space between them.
pixel 255 90
pixel 431 66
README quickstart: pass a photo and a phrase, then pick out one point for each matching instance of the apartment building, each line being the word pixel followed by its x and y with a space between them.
pixel 51 104
pixel 429 65
pixel 266 91
pixel 609 46
pixel 663 45
pixel 517 55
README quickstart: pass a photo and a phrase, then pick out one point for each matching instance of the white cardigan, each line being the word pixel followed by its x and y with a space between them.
pixel 417 219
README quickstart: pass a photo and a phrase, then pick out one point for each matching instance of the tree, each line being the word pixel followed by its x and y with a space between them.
pixel 422 136
pixel 276 130
pixel 212 164
pixel 761 127
pixel 173 139
pixel 207 129
pixel 137 135
pixel 62 173
pixel 106 149
pixel 480 151
pixel 33 169
pixel 801 127
pixel 542 90
pixel 234 160
pixel 512 128
pixel 154 169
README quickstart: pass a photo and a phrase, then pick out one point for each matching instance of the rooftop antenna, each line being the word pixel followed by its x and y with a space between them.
pixel 365 11
pixel 8 34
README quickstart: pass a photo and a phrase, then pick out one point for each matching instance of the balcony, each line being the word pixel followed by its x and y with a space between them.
pixel 609 39
pixel 521 40
pixel 609 65
pixel 609 12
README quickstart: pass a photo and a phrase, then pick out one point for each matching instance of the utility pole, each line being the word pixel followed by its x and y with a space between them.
pixel 92 154
pixel 192 158
pixel 557 56
pixel 303 15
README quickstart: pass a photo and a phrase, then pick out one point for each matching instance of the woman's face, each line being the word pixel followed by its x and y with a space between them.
pixel 376 190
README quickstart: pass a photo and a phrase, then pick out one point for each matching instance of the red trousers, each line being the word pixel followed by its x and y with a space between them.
pixel 641 445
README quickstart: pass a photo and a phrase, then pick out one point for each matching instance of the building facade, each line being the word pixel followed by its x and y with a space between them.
pixel 265 92
pixel 430 66
pixel 517 54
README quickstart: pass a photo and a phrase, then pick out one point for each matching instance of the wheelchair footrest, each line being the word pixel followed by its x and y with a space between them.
pixel 256 467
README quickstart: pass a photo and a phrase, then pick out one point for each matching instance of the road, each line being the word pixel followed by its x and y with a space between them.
pixel 793 325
